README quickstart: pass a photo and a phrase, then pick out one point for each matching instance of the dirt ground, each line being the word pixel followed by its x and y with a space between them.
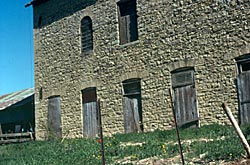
pixel 177 161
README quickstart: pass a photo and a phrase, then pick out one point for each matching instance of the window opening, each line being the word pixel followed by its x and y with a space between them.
pixel 243 64
pixel 90 112
pixel 128 28
pixel 86 36
pixel 41 93
pixel 132 106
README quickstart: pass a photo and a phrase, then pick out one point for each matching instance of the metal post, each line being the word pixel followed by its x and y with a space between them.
pixel 176 127
pixel 100 129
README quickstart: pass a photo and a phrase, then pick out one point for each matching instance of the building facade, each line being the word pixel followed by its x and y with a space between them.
pixel 128 54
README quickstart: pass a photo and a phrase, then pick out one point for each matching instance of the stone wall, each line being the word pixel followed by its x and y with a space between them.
pixel 204 34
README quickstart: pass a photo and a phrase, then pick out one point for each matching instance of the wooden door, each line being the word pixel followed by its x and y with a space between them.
pixel 90 119
pixel 243 85
pixel 54 117
pixel 185 105
pixel 132 114
pixel 90 113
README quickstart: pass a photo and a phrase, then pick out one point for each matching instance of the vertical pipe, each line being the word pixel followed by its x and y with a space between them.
pixel 100 129
pixel 176 127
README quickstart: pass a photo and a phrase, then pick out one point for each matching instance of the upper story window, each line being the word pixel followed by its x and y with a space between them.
pixel 128 29
pixel 86 36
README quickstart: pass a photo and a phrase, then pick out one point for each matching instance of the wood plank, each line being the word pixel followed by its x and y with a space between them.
pixel 130 116
pixel 90 119
pixel 177 105
pixel 94 118
pixel 86 116
pixel 188 103
pixel 185 104
pixel 1 132
pixel 15 140
pixel 243 87
pixel 127 114
pixel 122 30
pixel 15 135
pixel 136 114
pixel 127 28
pixel 54 116
pixel 245 113
pixel 184 110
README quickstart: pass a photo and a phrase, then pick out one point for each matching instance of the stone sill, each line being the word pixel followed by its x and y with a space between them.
pixel 129 44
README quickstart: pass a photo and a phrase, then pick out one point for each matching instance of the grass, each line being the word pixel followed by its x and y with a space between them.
pixel 222 144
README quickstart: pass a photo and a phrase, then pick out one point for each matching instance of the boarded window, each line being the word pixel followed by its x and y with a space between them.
pixel 185 97
pixel 243 88
pixel 54 117
pixel 128 29
pixel 90 112
pixel 132 106
pixel 87 36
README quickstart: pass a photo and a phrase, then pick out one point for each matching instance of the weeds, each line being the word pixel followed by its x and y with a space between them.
pixel 222 144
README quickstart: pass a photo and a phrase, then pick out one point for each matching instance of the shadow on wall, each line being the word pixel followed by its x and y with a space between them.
pixel 54 10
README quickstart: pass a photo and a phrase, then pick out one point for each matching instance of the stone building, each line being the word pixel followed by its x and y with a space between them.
pixel 129 53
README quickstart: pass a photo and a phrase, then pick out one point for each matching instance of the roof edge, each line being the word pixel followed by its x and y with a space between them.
pixel 35 3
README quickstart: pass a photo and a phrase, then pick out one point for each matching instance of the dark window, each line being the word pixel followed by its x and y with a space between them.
pixel 132 106
pixel 128 29
pixel 243 65
pixel 54 117
pixel 41 93
pixel 39 21
pixel 87 36
pixel 185 97
pixel 90 112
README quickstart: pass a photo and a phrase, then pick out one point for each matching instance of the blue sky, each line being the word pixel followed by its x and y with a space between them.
pixel 16 46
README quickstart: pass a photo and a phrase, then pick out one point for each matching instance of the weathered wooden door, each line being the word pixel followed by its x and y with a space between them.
pixel 243 84
pixel 132 114
pixel 132 106
pixel 90 112
pixel 54 117
pixel 185 105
